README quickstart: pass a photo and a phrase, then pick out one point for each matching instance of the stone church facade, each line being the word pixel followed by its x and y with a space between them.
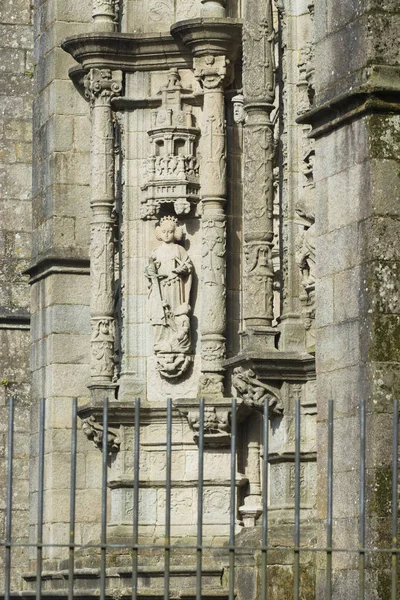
pixel 200 199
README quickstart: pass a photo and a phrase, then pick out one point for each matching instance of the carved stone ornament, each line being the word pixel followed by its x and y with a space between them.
pixel 94 431
pixel 238 110
pixel 102 84
pixel 217 426
pixel 254 392
pixel 305 83
pixel 172 168
pixel 169 273
pixel 102 344
pixel 305 257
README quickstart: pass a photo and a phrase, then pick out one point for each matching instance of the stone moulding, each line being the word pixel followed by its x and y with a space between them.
pixel 127 51
pixel 215 36
pixel 276 366
pixel 378 92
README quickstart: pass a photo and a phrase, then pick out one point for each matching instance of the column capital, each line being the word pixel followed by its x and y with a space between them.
pixel 210 36
pixel 102 85
pixel 213 72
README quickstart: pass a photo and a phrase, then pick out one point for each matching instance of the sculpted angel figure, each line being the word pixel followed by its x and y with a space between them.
pixel 169 272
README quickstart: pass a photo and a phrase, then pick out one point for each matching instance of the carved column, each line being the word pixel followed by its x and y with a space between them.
pixel 214 43
pixel 105 14
pixel 211 71
pixel 258 189
pixel 101 86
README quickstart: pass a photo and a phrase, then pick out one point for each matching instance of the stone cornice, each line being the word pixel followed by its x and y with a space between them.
pixel 127 51
pixel 11 318
pixel 215 36
pixel 51 265
pixel 379 94
pixel 276 365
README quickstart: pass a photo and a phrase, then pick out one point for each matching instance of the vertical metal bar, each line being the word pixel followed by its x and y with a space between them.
pixel 361 563
pixel 296 586
pixel 136 500
pixel 72 502
pixel 10 453
pixel 103 541
pixel 199 550
pixel 167 547
pixel 330 503
pixel 232 503
pixel 395 474
pixel 39 542
pixel 264 533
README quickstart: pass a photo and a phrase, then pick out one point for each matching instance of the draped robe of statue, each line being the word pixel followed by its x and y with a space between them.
pixel 170 274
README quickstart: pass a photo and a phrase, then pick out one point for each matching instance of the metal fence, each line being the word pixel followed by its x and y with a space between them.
pixel 135 547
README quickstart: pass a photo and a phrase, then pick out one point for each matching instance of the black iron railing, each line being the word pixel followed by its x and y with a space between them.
pixel 135 547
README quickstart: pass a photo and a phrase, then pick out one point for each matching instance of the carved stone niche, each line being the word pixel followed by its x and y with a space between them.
pixel 172 168
pixel 217 419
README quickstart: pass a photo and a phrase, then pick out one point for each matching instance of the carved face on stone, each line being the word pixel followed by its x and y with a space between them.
pixel 167 232
pixel 238 111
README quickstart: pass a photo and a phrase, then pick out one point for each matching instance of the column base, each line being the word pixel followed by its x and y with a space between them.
pixel 99 391
pixel 260 339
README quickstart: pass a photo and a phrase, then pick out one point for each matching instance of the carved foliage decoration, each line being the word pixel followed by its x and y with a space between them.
pixel 169 272
pixel 254 392
pixel 172 168
pixel 102 84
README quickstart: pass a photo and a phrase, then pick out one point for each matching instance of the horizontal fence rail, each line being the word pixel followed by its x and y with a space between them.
pixel 364 551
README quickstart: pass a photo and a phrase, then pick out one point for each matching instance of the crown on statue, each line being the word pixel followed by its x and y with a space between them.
pixel 169 219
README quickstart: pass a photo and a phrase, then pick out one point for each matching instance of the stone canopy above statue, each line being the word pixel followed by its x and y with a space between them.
pixel 172 168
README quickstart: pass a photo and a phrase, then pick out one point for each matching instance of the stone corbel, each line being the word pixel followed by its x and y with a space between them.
pixel 94 431
pixel 255 392
pixel 217 420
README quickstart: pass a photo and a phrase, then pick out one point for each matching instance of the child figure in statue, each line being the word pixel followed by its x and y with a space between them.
pixel 170 278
